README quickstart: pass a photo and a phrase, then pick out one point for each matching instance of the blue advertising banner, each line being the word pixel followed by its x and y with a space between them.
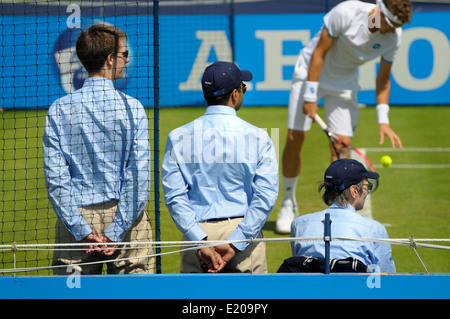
pixel 268 46
pixel 39 63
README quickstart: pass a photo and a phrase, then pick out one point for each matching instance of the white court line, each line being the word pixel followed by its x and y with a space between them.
pixel 415 166
pixel 367 210
pixel 412 149
pixel 408 149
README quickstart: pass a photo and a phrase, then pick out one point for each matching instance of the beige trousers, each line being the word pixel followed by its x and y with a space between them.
pixel 252 259
pixel 127 259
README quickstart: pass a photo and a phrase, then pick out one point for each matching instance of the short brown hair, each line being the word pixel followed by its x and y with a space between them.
pixel 400 8
pixel 96 43
pixel 221 99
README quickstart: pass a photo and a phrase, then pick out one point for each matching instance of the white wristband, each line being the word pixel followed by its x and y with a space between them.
pixel 383 113
pixel 310 94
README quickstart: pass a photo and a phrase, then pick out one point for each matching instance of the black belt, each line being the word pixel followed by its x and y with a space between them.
pixel 213 220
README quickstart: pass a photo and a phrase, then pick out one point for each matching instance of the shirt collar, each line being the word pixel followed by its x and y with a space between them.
pixel 100 81
pixel 220 109
pixel 349 207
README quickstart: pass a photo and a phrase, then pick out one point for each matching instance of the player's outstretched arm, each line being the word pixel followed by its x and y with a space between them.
pixel 383 88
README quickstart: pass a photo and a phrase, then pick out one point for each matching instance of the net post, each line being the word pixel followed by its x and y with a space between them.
pixel 251 255
pixel 327 240
pixel 156 128
pixel 232 33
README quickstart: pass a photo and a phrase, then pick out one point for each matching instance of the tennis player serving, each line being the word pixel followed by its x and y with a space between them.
pixel 353 33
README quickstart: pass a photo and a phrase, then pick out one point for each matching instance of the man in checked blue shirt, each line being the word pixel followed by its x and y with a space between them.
pixel 347 184
pixel 97 164
pixel 220 179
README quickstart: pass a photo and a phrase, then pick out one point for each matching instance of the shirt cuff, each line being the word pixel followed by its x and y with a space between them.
pixel 196 233
pixel 238 235
pixel 81 231
pixel 115 233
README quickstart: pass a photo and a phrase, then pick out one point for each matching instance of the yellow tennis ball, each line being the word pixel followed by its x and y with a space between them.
pixel 386 161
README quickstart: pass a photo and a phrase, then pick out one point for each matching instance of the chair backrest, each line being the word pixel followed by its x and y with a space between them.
pixel 317 265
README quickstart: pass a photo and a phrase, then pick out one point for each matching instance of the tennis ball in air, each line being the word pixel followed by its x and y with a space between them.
pixel 386 161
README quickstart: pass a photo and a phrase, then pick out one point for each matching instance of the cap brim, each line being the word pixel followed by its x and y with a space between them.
pixel 373 175
pixel 246 75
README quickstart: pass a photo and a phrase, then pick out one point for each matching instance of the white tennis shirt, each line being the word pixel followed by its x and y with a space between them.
pixel 354 45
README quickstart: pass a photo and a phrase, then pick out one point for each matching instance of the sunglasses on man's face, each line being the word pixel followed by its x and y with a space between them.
pixel 124 54
pixel 244 88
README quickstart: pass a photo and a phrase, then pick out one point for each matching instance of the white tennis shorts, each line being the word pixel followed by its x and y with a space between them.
pixel 341 110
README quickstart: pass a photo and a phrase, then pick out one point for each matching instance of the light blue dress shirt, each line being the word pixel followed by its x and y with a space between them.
pixel 220 166
pixel 96 149
pixel 345 222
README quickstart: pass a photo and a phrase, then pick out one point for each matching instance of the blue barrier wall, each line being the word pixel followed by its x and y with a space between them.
pixel 266 44
pixel 223 286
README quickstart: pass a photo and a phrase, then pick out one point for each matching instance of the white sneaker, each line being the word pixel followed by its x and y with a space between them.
pixel 286 215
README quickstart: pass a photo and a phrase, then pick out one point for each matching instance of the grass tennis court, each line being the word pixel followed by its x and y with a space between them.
pixel 410 201
pixel 413 198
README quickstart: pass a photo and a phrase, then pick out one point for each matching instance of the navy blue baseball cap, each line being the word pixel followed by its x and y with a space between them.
pixel 223 77
pixel 343 173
